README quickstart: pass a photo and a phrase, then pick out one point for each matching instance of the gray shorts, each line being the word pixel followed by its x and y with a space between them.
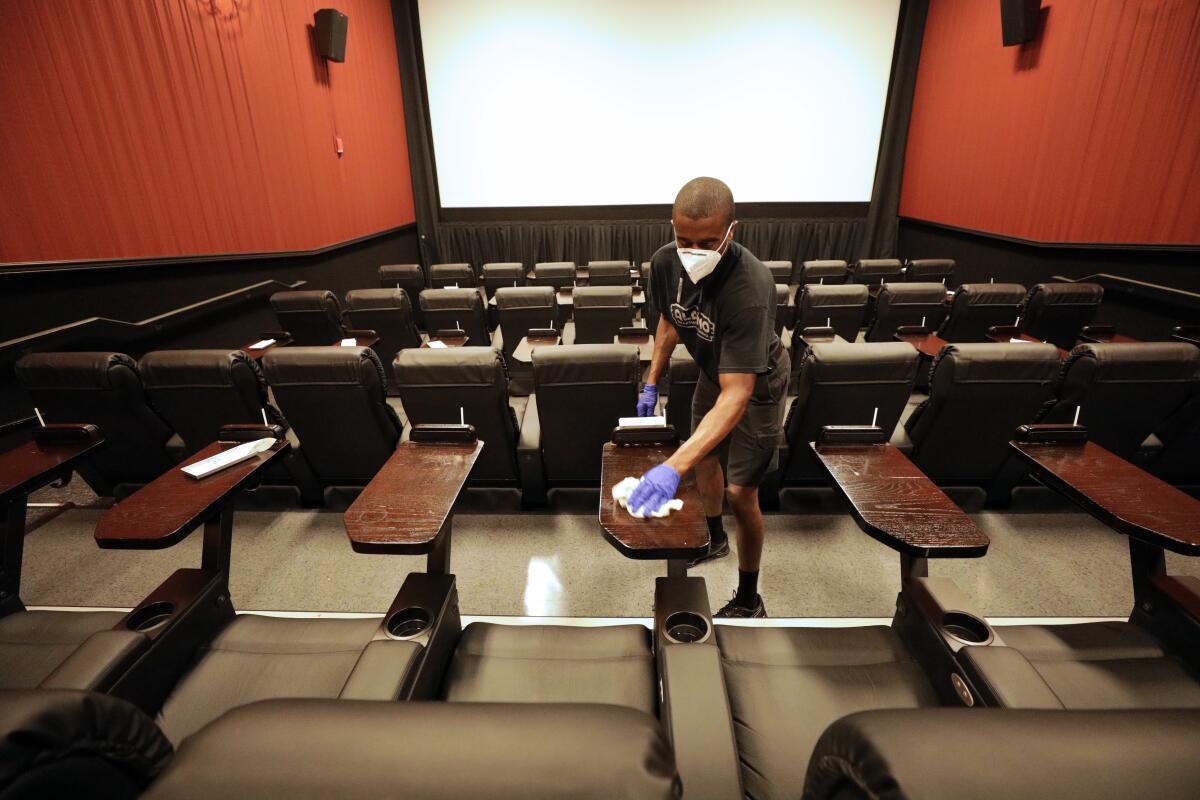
pixel 751 450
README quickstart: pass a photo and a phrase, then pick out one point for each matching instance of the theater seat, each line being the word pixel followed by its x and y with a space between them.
pixel 102 389
pixel 682 373
pixel 824 272
pixel 389 313
pixel 335 399
pixel 787 685
pixel 842 307
pixel 978 395
pixel 842 384
pixel 1056 312
pixel 979 306
pixel 781 271
pixel 460 275
pixel 410 278
pixel 259 658
pixel 502 273
pixel 521 308
pixel 875 271
pixel 311 317
pixel 1124 391
pixel 436 385
pixel 64 649
pixel 906 304
pixel 1094 665
pixel 609 273
pixel 600 312
pixel 553 664
pixel 461 309
pixel 930 270
pixel 555 274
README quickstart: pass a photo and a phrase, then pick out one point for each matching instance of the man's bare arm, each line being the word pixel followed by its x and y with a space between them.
pixel 736 388
pixel 665 339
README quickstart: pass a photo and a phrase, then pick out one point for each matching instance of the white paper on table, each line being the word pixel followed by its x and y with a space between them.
pixel 262 344
pixel 227 458
pixel 1019 341
pixel 436 344
pixel 642 422
pixel 349 342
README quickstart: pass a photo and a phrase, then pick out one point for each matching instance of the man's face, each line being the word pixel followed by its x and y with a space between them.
pixel 706 233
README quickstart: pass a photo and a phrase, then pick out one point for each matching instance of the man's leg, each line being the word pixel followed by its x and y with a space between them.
pixel 710 482
pixel 744 501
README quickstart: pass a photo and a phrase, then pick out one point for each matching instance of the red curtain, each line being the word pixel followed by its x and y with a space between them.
pixel 142 128
pixel 1090 134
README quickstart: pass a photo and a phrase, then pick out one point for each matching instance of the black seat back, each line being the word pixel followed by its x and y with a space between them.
pixel 978 395
pixel 825 272
pixel 906 304
pixel 1056 312
pixel 458 274
pixel 1125 392
pixel 446 309
pixel 521 308
pixel 389 313
pixel 409 277
pixel 199 391
pixel 785 312
pixel 102 389
pixel 682 373
pixel 781 271
pixel 842 384
pixel 311 317
pixel 874 271
pixel 581 392
pixel 502 273
pixel 979 306
pixel 842 306
pixel 436 385
pixel 600 311
pixel 609 273
pixel 930 270
pixel 555 274
pixel 335 400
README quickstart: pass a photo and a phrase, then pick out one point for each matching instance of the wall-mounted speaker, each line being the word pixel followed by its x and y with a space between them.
pixel 331 33
pixel 1019 20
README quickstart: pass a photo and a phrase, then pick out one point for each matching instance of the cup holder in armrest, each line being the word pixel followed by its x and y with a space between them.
pixel 686 626
pixel 408 622
pixel 966 628
pixel 150 616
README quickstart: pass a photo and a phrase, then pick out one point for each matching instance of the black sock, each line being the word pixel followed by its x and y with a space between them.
pixel 747 591
pixel 716 532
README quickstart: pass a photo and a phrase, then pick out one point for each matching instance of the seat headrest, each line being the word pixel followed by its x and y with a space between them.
pixel 932 264
pixel 1054 294
pixel 609 263
pixel 825 262
pixel 41 727
pixel 504 267
pixel 868 362
pixel 593 296
pixel 399 271
pixel 365 299
pixel 183 368
pixel 456 266
pixel 311 300
pixel 995 362
pixel 878 265
pixel 553 268
pixel 778 264
pixel 524 297
pixel 991 294
pixel 321 365
pixel 452 366
pixel 70 370
pixel 848 294
pixel 913 293
pixel 782 294
pixel 1140 361
pixel 585 363
pixel 434 299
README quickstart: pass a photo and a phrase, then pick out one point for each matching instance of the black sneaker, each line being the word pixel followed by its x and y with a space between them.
pixel 720 551
pixel 732 610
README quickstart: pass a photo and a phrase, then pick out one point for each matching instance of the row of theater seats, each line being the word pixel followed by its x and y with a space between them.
pixel 275 706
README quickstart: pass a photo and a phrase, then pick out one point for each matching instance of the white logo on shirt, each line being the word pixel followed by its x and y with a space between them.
pixel 692 318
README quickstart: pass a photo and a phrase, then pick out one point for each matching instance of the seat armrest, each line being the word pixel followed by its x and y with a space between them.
pixel 97 662
pixel 529 456
pixel 382 670
pixel 1007 676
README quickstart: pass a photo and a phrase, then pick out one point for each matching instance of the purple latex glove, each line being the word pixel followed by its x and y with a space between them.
pixel 648 401
pixel 654 490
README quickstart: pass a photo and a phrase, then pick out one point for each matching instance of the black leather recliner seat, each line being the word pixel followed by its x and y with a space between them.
pixel 823 272
pixel 312 317
pixel 64 649
pixel 102 389
pixel 976 307
pixel 841 307
pixel 461 309
pixel 609 273
pixel 460 274
pixel 978 395
pixel 555 274
pixel 1056 312
pixel 335 399
pixel 1124 392
pixel 875 271
pixel 906 304
pixel 389 313
pixel 920 270
pixel 600 312
pixel 502 273
pixel 521 308
pixel 410 278
pixel 781 271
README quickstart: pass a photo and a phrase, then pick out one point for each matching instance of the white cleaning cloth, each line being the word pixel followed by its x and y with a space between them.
pixel 624 488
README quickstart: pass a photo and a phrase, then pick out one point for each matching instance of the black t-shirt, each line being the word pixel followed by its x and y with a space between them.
pixel 727 321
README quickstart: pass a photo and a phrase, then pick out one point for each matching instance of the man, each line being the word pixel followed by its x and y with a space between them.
pixel 719 301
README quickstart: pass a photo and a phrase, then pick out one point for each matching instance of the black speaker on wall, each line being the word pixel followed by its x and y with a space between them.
pixel 331 34
pixel 1019 20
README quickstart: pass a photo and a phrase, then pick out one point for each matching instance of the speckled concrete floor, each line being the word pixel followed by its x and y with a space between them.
pixel 1045 560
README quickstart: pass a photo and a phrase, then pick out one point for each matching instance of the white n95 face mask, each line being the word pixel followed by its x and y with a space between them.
pixel 700 263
